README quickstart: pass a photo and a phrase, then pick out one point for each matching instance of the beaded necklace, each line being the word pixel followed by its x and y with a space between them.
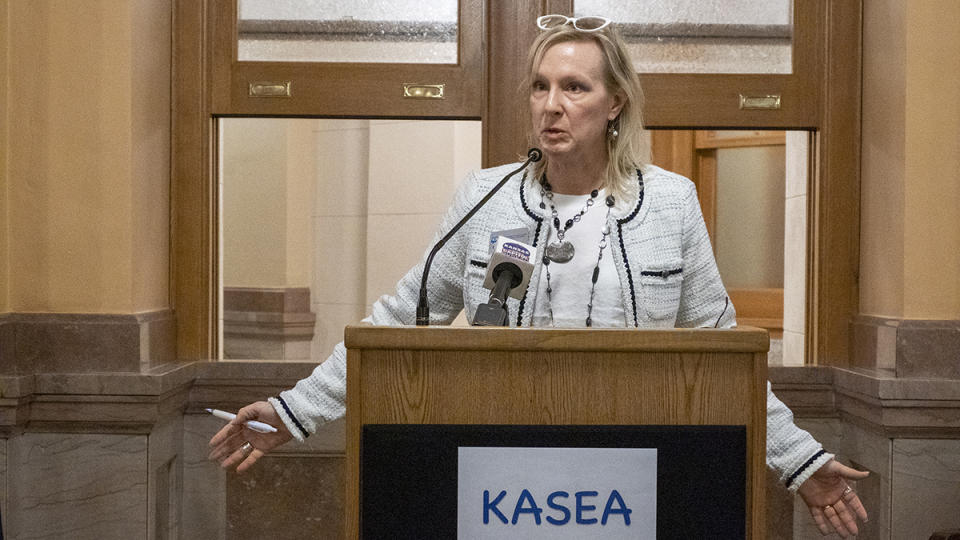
pixel 548 258
pixel 561 251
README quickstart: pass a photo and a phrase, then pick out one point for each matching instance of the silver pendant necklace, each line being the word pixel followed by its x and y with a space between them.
pixel 561 251
pixel 605 232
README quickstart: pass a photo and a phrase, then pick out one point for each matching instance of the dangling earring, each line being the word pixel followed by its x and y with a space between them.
pixel 612 130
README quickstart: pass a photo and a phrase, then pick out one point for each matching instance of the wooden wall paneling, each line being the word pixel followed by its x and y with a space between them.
pixel 511 29
pixel 505 107
pixel 708 138
pixel 355 90
pixel 762 308
pixel 707 190
pixel 504 116
pixel 193 228
pixel 836 194
pixel 809 34
pixel 222 40
pixel 673 149
pixel 361 89
pixel 661 153
pixel 706 101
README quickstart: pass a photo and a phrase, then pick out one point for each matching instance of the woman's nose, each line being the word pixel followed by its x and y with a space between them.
pixel 553 102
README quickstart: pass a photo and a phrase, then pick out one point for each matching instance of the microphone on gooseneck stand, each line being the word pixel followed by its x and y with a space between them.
pixel 423 308
pixel 508 273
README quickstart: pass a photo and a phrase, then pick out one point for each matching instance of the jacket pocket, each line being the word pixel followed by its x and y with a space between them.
pixel 662 285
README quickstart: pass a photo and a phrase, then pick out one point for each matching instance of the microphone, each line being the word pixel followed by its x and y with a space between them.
pixel 508 273
pixel 423 307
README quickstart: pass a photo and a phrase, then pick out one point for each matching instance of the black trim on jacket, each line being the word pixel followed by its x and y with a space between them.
pixel 662 273
pixel 725 306
pixel 623 248
pixel 536 237
pixel 809 462
pixel 292 417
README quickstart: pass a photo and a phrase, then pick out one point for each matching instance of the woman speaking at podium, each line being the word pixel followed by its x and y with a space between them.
pixel 624 244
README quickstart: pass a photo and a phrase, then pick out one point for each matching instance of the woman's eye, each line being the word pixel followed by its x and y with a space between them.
pixel 539 86
pixel 574 87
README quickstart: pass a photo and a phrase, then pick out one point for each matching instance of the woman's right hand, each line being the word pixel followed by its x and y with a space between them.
pixel 227 446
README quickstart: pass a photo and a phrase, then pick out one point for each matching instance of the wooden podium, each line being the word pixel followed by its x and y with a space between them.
pixel 538 376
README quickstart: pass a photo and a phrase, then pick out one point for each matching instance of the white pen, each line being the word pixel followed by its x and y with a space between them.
pixel 259 427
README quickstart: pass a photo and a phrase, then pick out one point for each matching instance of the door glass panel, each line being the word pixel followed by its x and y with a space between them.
pixel 749 236
pixel 394 31
pixel 319 218
pixel 702 36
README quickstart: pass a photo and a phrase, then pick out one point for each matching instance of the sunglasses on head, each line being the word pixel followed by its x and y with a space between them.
pixel 583 24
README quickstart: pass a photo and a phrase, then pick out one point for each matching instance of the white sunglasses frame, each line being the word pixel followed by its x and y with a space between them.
pixel 573 21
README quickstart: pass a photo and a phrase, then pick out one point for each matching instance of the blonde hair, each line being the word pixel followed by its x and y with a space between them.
pixel 628 151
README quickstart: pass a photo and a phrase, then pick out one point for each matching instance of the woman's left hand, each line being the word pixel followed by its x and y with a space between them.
pixel 833 503
pixel 238 445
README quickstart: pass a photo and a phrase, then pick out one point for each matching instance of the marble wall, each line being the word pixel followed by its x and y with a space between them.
pixel 287 497
pixel 205 507
pixel 926 486
pixel 3 486
pixel 165 478
pixel 76 486
pixel 294 492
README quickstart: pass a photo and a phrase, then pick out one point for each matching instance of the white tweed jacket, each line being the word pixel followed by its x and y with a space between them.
pixel 668 278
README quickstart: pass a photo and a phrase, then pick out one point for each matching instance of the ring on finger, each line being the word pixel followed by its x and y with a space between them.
pixel 840 500
pixel 246 448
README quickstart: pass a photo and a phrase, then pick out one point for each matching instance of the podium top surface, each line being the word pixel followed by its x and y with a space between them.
pixel 740 339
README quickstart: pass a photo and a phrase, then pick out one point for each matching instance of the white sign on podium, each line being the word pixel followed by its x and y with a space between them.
pixel 556 493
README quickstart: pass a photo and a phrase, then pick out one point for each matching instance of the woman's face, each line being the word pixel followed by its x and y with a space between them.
pixel 569 103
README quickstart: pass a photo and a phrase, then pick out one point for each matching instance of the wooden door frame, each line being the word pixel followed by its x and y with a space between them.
pixel 829 105
pixel 208 82
pixel 194 242
pixel 341 90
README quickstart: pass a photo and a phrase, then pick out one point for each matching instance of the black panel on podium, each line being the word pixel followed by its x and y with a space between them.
pixel 409 473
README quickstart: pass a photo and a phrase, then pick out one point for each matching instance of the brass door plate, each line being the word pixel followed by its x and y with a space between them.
pixel 768 102
pixel 422 91
pixel 269 89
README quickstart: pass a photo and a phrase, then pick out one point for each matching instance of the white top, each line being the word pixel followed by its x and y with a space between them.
pixel 570 282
